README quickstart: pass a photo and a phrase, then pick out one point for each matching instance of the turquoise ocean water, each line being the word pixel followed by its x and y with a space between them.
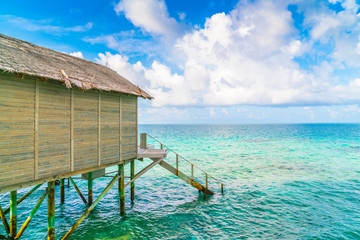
pixel 297 181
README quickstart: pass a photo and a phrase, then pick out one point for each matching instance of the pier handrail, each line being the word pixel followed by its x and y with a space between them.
pixel 192 165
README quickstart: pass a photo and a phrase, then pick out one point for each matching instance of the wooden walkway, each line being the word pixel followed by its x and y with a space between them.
pixel 159 155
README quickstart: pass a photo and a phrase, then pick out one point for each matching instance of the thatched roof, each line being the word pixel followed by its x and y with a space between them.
pixel 22 57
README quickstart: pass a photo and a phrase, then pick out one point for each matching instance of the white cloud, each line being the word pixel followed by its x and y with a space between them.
pixel 339 29
pixel 352 108
pixel 44 25
pixel 150 15
pixel 245 57
pixel 77 54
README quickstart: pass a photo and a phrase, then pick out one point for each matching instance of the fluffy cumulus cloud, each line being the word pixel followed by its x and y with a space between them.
pixel 150 15
pixel 77 54
pixel 248 56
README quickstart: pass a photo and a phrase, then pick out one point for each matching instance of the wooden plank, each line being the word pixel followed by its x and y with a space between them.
pixel 72 130
pixel 99 130
pixel 29 183
pixel 184 177
pixel 17 129
pixel 54 129
pixel 85 129
pixel 120 127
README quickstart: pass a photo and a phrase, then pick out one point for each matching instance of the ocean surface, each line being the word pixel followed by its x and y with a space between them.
pixel 296 181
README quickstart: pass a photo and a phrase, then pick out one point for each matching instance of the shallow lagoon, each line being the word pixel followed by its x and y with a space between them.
pixel 297 181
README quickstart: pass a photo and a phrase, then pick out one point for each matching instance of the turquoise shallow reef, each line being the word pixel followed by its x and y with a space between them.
pixel 297 181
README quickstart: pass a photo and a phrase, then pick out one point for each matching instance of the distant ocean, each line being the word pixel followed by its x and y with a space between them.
pixel 283 181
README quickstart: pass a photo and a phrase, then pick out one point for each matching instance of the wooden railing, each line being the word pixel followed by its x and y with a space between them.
pixel 143 145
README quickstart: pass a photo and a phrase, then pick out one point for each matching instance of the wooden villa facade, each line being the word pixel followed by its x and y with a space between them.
pixel 61 115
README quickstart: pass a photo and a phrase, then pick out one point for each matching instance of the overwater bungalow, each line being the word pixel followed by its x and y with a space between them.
pixel 62 116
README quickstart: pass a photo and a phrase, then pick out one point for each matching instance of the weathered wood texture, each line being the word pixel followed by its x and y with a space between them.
pixel 16 129
pixel 128 127
pixel 37 119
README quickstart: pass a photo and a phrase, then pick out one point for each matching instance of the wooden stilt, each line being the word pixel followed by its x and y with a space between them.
pixel 51 210
pixel 132 175
pixel 13 214
pixel 90 188
pixel 4 220
pixel 78 190
pixel 122 189
pixel 206 185
pixel 222 189
pixel 192 171
pixel 24 197
pixel 113 181
pixel 32 214
pixel 177 165
pixel 62 191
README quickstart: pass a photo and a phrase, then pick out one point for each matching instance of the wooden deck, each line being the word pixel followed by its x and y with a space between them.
pixel 152 153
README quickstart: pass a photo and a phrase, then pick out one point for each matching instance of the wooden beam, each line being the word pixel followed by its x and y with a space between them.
pixel 62 190
pixel 144 170
pixel 58 177
pixel 51 211
pixel 99 131
pixel 4 220
pixel 206 185
pixel 120 127
pixel 72 130
pixel 113 181
pixel 132 175
pixel 137 129
pixel 90 188
pixel 13 214
pixel 36 131
pixel 184 177
pixel 32 214
pixel 122 189
pixel 78 190
pixel 177 165
pixel 142 140
pixel 23 197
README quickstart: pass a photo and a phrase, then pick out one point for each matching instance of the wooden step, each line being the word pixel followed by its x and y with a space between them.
pixel 183 176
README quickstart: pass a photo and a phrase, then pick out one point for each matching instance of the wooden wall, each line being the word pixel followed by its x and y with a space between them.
pixel 47 129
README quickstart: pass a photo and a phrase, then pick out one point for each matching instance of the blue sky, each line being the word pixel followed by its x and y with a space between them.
pixel 260 61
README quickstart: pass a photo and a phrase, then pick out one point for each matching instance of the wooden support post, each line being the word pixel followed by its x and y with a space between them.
pixel 99 131
pixel 177 165
pixel 192 171
pixel 132 175
pixel 206 185
pixel 71 131
pixel 113 181
pixel 36 130
pixel 13 213
pixel 4 220
pixel 143 144
pixel 51 210
pixel 24 197
pixel 222 189
pixel 32 214
pixel 161 146
pixel 62 190
pixel 78 190
pixel 122 189
pixel 90 188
